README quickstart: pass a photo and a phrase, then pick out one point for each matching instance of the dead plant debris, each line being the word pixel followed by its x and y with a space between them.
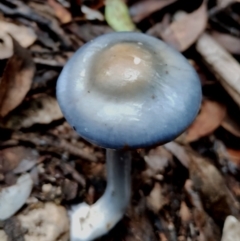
pixel 185 190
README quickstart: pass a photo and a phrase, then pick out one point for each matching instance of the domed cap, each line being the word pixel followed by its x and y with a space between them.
pixel 128 89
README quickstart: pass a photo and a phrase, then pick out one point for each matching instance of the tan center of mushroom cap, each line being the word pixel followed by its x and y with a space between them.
pixel 123 67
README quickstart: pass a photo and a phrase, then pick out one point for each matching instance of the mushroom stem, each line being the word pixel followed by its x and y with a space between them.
pixel 91 222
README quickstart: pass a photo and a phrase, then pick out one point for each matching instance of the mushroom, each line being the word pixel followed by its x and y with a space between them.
pixel 122 91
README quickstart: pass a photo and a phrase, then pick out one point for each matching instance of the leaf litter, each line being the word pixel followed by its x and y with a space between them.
pixel 188 189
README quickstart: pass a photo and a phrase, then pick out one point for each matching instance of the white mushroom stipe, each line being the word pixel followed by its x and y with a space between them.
pixel 90 222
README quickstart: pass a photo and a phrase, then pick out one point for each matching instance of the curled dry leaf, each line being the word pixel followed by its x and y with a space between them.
pixel 6 46
pixel 23 35
pixel 142 9
pixel 40 110
pixel 156 200
pixel 14 197
pixel 183 32
pixel 210 118
pixel 92 14
pixel 117 16
pixel 157 160
pixel 231 229
pixel 60 12
pixel 16 80
pixel 222 64
pixel 215 196
pixel 14 158
pixel 229 42
pixel 179 152
pixel 231 125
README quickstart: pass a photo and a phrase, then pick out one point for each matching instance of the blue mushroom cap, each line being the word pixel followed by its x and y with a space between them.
pixel 128 90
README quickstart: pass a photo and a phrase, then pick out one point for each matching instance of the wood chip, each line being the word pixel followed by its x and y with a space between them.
pixel 222 64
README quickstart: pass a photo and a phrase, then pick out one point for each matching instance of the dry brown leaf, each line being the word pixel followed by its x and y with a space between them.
pixel 11 157
pixel 6 46
pixel 23 35
pixel 209 183
pixel 158 159
pixel 224 3
pixel 229 42
pixel 234 156
pixel 142 9
pixel 231 125
pixel 185 213
pixel 210 118
pixel 42 110
pixel 16 80
pixel 156 200
pixel 183 32
pixel 178 151
pixel 61 13
pixel 208 229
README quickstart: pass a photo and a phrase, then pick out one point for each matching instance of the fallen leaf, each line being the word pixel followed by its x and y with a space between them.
pixel 3 236
pixel 210 118
pixel 142 9
pixel 14 197
pixel 229 42
pixel 225 3
pixel 222 64
pixel 12 157
pixel 92 14
pixel 6 45
pixel 156 200
pixel 209 183
pixel 179 152
pixel 61 13
pixel 234 156
pixel 183 32
pixel 41 110
pixel 117 16
pixel 88 31
pixel 231 229
pixel 23 35
pixel 158 159
pixel 231 125
pixel 208 229
pixel 16 80
pixel 185 213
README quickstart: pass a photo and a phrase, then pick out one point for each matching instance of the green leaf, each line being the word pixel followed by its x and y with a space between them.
pixel 117 16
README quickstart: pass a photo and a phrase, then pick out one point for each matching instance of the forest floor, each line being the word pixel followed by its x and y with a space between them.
pixel 184 190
